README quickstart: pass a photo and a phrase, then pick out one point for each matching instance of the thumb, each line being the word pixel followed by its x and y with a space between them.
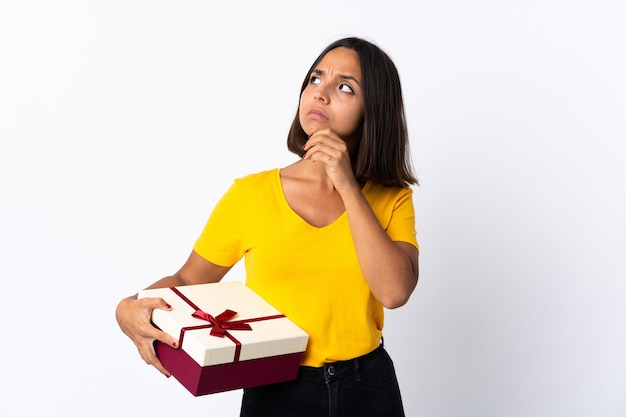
pixel 156 302
pixel 163 305
pixel 161 336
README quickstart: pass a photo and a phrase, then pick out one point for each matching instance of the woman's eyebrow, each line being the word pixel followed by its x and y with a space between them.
pixel 350 77
pixel 343 76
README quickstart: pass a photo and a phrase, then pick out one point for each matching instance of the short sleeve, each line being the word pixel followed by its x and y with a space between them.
pixel 221 240
pixel 402 223
pixel 393 206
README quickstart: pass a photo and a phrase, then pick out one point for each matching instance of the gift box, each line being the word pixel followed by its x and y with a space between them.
pixel 229 337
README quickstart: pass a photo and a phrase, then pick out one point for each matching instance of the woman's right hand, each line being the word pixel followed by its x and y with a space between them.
pixel 133 316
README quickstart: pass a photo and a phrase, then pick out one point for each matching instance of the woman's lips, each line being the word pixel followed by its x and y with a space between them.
pixel 317 114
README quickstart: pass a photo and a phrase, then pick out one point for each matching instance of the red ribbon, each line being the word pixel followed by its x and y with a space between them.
pixel 219 325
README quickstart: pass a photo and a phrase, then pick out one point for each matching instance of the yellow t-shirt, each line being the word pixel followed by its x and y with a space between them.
pixel 309 274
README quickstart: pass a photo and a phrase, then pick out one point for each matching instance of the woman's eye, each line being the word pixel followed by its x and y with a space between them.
pixel 346 88
pixel 314 80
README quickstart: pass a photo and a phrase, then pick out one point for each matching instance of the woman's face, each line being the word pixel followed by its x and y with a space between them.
pixel 333 97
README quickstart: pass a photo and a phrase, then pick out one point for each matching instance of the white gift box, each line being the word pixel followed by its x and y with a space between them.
pixel 214 354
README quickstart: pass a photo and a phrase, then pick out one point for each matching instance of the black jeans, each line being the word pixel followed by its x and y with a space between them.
pixel 362 387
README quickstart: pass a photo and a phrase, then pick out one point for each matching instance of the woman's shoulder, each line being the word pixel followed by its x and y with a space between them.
pixel 257 179
pixel 387 201
pixel 382 192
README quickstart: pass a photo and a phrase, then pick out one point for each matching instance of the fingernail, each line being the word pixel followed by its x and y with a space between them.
pixel 168 306
pixel 175 344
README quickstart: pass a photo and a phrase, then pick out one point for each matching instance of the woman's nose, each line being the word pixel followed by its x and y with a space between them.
pixel 321 94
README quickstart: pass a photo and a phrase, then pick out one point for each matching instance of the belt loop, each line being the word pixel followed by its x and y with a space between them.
pixel 356 370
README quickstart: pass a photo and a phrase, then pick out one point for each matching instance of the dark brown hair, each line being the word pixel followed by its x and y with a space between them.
pixel 382 155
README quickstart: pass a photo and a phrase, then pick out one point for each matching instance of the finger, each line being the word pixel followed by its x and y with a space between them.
pixel 324 153
pixel 325 136
pixel 154 302
pixel 148 354
pixel 146 346
pixel 147 305
pixel 149 332
pixel 168 339
pixel 146 330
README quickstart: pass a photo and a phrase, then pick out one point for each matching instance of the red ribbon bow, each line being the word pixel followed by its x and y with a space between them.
pixel 220 324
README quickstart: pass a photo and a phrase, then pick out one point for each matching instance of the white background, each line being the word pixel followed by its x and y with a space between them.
pixel 122 122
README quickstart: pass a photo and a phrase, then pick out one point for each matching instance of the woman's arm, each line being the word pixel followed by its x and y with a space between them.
pixel 390 268
pixel 133 315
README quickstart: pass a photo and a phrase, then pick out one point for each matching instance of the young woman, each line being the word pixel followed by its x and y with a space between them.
pixel 329 240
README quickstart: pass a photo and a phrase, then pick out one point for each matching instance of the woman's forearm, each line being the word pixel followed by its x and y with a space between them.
pixel 390 268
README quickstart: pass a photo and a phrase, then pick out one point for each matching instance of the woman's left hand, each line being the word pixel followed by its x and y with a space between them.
pixel 327 147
